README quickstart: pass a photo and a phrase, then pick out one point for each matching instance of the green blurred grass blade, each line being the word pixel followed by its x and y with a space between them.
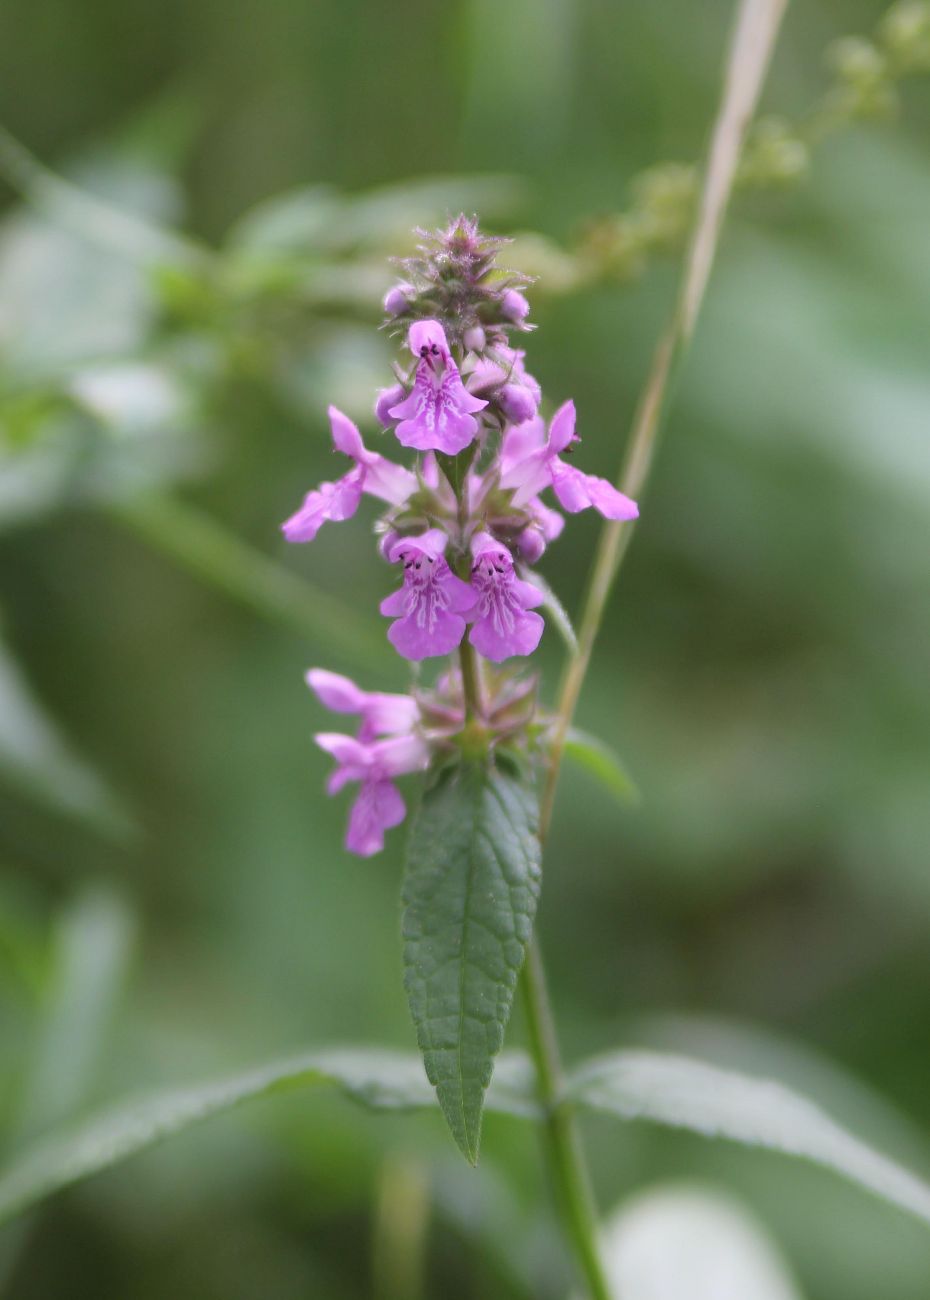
pixel 597 758
pixel 471 885
pixel 94 219
pixel 92 947
pixel 36 760
pixel 376 1078
pixel 216 556
pixel 692 1095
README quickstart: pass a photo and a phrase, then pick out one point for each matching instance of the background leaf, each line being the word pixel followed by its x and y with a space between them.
pixel 760 1112
pixel 37 760
pixel 380 1079
pixel 597 757
pixel 470 892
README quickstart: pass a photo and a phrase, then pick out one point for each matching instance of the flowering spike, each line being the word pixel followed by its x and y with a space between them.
pixel 471 505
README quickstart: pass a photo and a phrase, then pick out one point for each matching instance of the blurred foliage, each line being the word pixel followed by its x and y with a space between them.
pixel 179 300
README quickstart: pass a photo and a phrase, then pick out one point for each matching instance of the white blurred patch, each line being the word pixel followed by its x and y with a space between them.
pixel 132 397
pixel 688 1242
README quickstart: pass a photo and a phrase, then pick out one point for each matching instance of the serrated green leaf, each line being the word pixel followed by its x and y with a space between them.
pixel 692 1095
pixel 380 1079
pixel 597 757
pixel 470 892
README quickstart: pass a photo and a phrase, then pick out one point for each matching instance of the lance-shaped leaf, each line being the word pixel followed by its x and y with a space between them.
pixel 375 1077
pixel 597 757
pixel 470 892
pixel 692 1095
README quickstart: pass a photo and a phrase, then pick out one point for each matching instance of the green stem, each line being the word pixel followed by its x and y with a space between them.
pixel 471 685
pixel 753 42
pixel 566 1155
pixel 211 553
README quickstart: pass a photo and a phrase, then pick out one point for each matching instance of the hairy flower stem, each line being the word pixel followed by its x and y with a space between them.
pixel 753 43
pixel 456 470
pixel 471 686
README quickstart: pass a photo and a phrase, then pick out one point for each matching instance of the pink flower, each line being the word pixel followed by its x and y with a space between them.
pixel 439 413
pixel 398 298
pixel 428 608
pixel 530 462
pixel 544 527
pixel 388 397
pixel 514 306
pixel 517 393
pixel 381 714
pixel 502 624
pixel 336 501
pixel 378 805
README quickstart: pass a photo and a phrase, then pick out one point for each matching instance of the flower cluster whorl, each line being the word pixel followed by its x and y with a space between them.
pixel 463 524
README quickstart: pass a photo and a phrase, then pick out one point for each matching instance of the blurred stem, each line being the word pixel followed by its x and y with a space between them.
pixel 211 553
pixel 566 1155
pixel 751 48
pixel 400 1230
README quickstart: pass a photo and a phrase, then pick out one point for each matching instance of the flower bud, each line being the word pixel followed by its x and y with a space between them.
pixel 474 339
pixel 516 403
pixel 398 299
pixel 388 397
pixel 531 544
pixel 514 306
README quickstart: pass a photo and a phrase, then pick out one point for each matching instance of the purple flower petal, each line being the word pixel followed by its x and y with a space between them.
pixel 388 397
pixel 330 501
pixel 377 807
pixel 577 491
pixel 429 606
pixel 503 625
pixel 382 714
pixel 346 437
pixel 426 632
pixel 438 414
pixel 339 694
pixel 390 482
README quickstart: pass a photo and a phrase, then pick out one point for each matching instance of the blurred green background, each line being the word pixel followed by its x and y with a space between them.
pixel 174 897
